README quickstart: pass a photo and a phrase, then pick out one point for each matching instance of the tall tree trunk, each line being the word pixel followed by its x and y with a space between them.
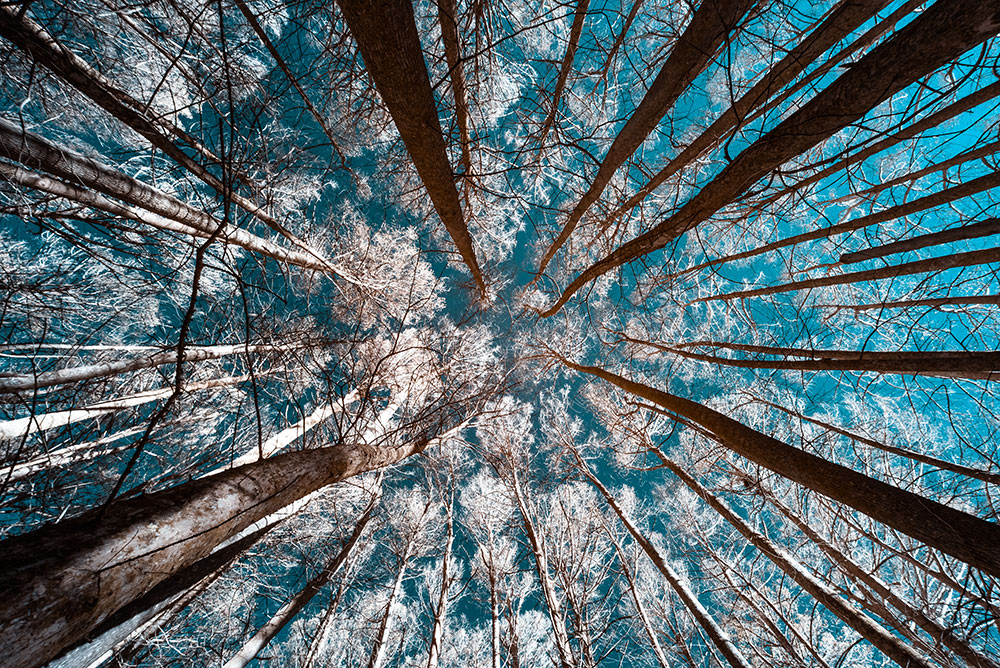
pixel 690 600
pixel 940 198
pixel 78 452
pixel 935 264
pixel 292 79
pixel 985 476
pixel 575 30
pixel 963 536
pixel 43 48
pixel 842 21
pixel 934 302
pixel 978 230
pixel 165 212
pixel 712 22
pixel 936 36
pixel 540 553
pixel 887 643
pixel 64 580
pixel 948 363
pixel 387 37
pixel 640 607
pixel 287 612
pixel 441 611
pixel 602 73
pixel 448 18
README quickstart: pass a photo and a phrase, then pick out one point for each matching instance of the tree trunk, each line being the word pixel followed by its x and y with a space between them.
pixel 940 634
pixel 640 607
pixel 619 40
pixel 887 643
pixel 64 580
pixel 841 22
pixel 537 543
pixel 377 656
pixel 43 48
pixel 944 31
pixel 387 37
pixel 690 600
pixel 575 30
pixel 985 476
pixel 983 228
pixel 287 612
pixel 935 264
pixel 963 536
pixel 71 454
pixel 34 151
pixel 935 302
pixel 448 18
pixel 440 612
pixel 712 22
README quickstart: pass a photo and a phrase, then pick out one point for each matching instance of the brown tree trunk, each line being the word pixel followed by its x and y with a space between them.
pixel 985 300
pixel 963 536
pixel 983 228
pixel 712 22
pixel 943 32
pixel 843 20
pixel 387 38
pixel 43 48
pixel 448 18
pixel 985 476
pixel 888 644
pixel 64 580
pixel 934 264
pixel 602 73
pixel 575 30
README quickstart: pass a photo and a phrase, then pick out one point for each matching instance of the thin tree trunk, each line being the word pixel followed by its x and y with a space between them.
pixel 640 607
pixel 935 302
pixel 575 30
pixel 887 643
pixel 842 21
pixel 537 543
pixel 69 455
pixel 985 476
pixel 940 634
pixel 960 159
pixel 24 382
pixel 441 611
pixel 963 536
pixel 936 264
pixel 602 73
pixel 387 37
pixel 960 106
pixel 36 152
pixel 712 22
pixel 690 600
pixel 983 228
pixel 43 48
pixel 448 18
pixel 287 612
pixel 943 32
pixel 64 580
pixel 25 426
pixel 947 363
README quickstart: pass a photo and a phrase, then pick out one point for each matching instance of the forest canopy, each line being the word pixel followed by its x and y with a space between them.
pixel 499 333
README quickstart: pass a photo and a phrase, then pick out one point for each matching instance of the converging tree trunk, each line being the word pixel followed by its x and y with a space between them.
pixel 64 580
pixel 387 37
pixel 712 22
pixel 963 536
pixel 942 32
pixel 575 30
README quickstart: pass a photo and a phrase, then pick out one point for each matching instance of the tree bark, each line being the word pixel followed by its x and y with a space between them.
pixel 441 611
pixel 935 264
pixel 712 22
pixel 387 37
pixel 448 18
pixel 985 300
pixel 575 30
pixel 944 31
pixel 963 536
pixel 64 580
pixel 640 607
pixel 978 230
